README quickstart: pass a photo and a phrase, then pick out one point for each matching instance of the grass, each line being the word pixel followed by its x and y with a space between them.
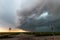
pixel 31 33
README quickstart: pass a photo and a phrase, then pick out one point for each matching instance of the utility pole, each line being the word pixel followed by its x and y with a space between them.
pixel 53 30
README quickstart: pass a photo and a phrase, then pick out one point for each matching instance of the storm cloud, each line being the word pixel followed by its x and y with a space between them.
pixel 39 15
pixel 31 15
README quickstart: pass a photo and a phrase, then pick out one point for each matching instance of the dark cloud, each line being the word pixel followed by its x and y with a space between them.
pixel 30 22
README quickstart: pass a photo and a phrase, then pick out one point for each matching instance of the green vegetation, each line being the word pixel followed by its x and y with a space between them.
pixel 32 33
pixel 43 33
pixel 10 33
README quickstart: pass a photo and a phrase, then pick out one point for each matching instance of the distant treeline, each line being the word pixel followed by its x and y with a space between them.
pixel 34 33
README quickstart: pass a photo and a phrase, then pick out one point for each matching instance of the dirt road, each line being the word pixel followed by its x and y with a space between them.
pixel 31 37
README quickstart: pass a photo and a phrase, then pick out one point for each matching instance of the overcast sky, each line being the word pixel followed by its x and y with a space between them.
pixel 8 12
pixel 12 10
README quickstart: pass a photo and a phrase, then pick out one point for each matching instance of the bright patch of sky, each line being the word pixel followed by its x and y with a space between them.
pixel 8 11
pixel 43 15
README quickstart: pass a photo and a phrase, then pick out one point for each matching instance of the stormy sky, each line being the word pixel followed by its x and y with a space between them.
pixel 32 15
pixel 39 15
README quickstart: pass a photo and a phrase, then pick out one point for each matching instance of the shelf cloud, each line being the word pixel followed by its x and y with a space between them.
pixel 39 15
